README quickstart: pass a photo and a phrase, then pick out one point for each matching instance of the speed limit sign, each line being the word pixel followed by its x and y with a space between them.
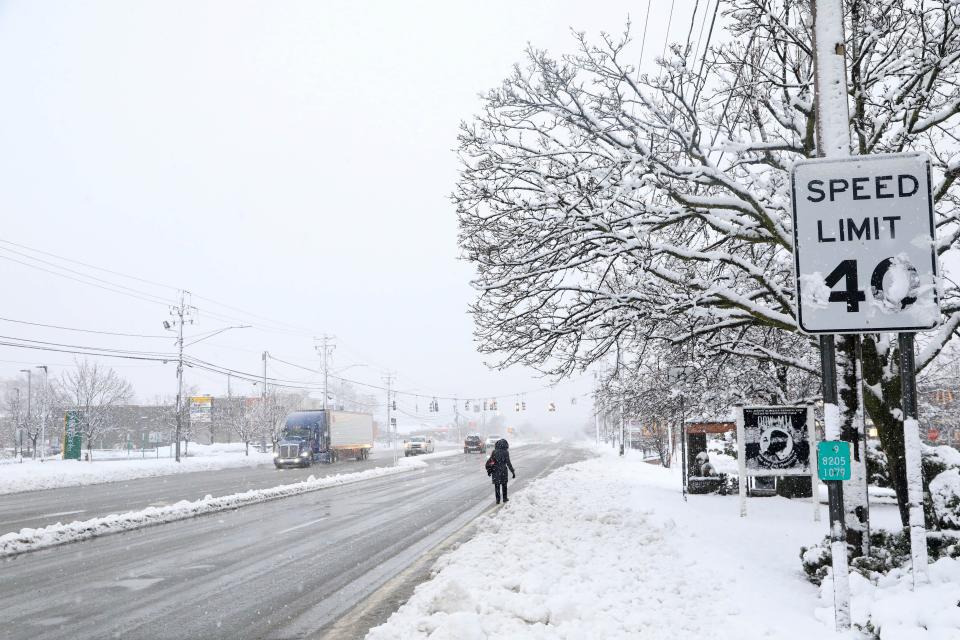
pixel 864 244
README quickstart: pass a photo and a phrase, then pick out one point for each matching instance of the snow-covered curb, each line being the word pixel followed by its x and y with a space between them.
pixel 33 539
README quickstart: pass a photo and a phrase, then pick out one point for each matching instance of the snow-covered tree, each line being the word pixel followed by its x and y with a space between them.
pixel 93 390
pixel 606 209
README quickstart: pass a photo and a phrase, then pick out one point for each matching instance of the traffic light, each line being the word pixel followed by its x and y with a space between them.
pixel 523 406
pixel 517 407
pixel 393 405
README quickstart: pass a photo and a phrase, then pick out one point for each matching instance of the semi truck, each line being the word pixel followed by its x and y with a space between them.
pixel 324 436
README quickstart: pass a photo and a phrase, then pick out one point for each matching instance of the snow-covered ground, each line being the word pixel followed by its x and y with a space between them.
pixel 113 466
pixel 30 539
pixel 607 548
pixel 33 474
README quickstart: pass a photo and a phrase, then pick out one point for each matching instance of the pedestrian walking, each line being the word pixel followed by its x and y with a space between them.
pixel 497 465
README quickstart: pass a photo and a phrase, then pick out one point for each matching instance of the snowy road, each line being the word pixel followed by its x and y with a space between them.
pixel 41 508
pixel 284 569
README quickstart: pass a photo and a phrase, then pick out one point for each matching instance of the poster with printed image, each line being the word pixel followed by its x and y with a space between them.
pixel 776 440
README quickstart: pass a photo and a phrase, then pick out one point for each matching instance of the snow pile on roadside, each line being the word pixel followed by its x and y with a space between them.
pixel 33 539
pixel 34 475
pixel 447 453
pixel 606 548
pixel 892 610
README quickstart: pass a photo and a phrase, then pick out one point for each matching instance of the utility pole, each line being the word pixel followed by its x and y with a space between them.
pixel 28 372
pixel 390 429
pixel 327 348
pixel 182 313
pixel 456 419
pixel 596 408
pixel 46 411
pixel 833 141
pixel 623 421
pixel 19 439
pixel 263 403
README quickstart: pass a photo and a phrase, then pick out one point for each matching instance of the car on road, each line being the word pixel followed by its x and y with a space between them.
pixel 492 440
pixel 417 445
pixel 474 442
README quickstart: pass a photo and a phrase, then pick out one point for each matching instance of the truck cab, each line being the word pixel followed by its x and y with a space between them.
pixel 293 451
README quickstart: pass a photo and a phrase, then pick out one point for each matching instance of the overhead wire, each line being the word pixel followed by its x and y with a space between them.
pixel 114 287
pixel 63 328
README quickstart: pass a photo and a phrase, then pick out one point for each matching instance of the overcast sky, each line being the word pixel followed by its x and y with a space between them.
pixel 291 159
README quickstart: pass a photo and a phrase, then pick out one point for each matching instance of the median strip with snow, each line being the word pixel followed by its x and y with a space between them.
pixel 34 539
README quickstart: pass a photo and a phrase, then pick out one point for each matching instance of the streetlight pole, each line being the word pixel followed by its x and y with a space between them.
pixel 46 411
pixel 263 402
pixel 28 372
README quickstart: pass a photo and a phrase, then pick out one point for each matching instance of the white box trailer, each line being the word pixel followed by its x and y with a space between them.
pixel 351 434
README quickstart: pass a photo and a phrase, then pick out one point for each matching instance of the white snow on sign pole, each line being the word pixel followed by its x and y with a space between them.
pixel 833 140
pixel 918 531
pixel 741 462
pixel 814 461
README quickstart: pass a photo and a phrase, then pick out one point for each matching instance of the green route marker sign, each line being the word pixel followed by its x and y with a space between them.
pixel 72 436
pixel 833 460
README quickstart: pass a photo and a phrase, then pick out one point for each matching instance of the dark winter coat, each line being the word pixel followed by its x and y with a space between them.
pixel 501 459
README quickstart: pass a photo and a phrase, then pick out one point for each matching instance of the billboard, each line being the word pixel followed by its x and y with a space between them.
pixel 201 409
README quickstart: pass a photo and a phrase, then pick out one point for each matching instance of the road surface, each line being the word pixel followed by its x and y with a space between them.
pixel 41 508
pixel 284 569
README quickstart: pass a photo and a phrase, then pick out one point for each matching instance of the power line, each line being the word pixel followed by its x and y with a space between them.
pixel 89 266
pixel 105 333
pixel 91 284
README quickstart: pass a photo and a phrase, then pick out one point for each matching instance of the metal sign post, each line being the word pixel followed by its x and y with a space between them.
pixel 678 376
pixel 911 447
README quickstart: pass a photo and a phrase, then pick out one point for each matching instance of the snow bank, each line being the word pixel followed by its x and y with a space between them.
pixel 33 474
pixel 34 539
pixel 433 456
pixel 606 548
pixel 892 610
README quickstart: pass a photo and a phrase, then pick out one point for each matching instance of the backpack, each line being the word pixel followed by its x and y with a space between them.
pixel 491 465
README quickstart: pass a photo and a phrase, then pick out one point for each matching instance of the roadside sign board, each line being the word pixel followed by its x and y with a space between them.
pixel 864 252
pixel 201 409
pixel 775 441
pixel 72 436
pixel 833 460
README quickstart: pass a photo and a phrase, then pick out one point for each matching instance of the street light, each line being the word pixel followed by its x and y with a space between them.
pixel 43 418
pixel 28 372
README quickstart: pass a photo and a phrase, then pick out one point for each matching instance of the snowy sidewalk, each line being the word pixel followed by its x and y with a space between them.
pixel 606 548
